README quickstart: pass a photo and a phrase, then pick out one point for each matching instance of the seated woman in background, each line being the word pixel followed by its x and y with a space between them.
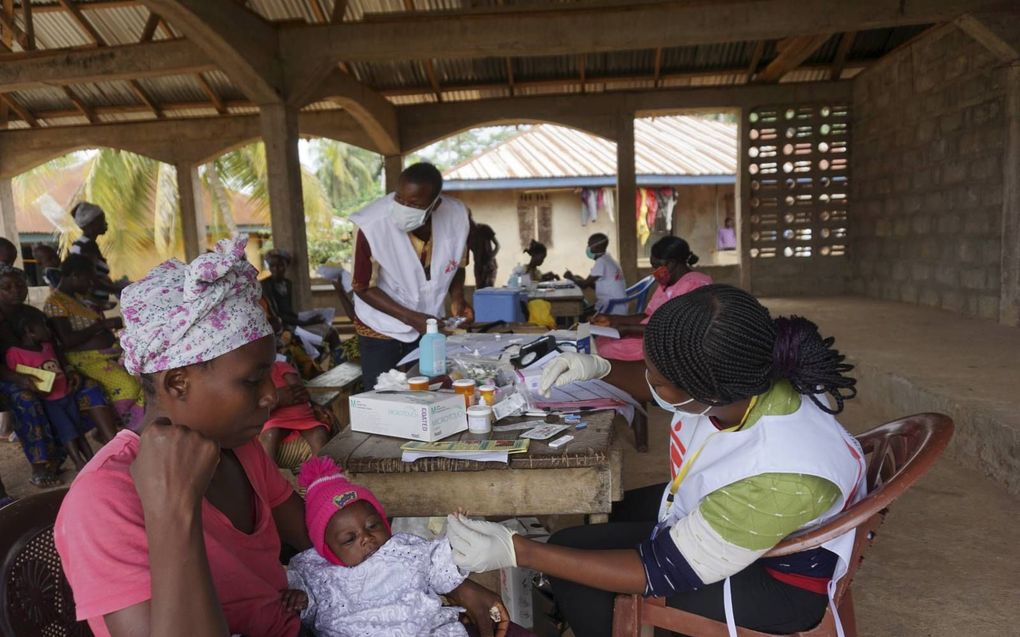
pixel 484 247
pixel 279 291
pixel 47 265
pixel 88 340
pixel 31 425
pixel 671 261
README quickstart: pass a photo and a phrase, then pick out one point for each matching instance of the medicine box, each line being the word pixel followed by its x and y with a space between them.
pixel 500 304
pixel 419 415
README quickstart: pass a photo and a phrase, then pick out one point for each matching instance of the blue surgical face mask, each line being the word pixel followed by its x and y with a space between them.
pixel 672 407
pixel 588 253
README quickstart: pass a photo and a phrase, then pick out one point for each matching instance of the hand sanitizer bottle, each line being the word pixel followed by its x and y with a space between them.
pixel 432 349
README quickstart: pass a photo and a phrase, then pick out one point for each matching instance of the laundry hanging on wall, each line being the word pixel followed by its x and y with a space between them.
pixel 666 198
pixel 607 202
pixel 589 205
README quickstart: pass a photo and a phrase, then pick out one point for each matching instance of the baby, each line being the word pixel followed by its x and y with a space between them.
pixel 360 578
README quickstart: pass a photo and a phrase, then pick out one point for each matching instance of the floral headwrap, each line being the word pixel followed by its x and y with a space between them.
pixel 179 314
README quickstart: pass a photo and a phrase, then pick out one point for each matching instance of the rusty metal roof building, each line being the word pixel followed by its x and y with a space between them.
pixel 669 150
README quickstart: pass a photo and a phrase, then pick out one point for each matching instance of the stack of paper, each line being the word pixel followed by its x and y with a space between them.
pixel 478 450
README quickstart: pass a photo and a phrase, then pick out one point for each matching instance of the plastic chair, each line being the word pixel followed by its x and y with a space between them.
pixel 35 594
pixel 899 453
pixel 638 292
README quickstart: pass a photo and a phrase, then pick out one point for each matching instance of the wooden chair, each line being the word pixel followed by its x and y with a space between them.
pixel 899 453
pixel 36 598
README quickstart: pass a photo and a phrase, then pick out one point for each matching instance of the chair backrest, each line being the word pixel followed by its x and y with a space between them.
pixel 898 454
pixel 36 598
pixel 637 292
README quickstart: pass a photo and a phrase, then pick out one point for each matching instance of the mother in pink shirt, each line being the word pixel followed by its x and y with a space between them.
pixel 671 260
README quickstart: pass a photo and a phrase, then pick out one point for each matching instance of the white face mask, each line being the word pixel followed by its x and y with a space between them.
pixel 409 218
pixel 672 407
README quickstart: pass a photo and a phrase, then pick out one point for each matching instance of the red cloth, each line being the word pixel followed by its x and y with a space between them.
pixel 292 417
pixel 43 359
pixel 100 535
pixel 631 348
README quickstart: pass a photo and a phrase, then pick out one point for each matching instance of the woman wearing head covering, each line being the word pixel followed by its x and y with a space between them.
pixel 35 434
pixel 88 340
pixel 92 221
pixel 672 266
pixel 756 455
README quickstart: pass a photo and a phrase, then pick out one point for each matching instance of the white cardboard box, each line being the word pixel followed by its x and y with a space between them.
pixel 515 583
pixel 419 415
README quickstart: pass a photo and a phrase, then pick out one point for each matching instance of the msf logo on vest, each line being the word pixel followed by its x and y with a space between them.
pixel 451 265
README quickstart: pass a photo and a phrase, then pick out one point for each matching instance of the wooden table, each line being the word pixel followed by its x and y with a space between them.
pixel 584 476
pixel 566 303
pixel 331 389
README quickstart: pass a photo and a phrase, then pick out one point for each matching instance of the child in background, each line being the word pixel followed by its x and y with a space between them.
pixel 293 415
pixel 36 350
pixel 606 276
pixel 360 579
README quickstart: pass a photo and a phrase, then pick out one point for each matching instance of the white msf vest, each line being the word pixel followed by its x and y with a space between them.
pixel 400 273
pixel 808 441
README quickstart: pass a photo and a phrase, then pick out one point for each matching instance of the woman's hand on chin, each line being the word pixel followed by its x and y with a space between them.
pixel 173 468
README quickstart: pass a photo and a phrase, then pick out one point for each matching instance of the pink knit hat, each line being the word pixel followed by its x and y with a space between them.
pixel 329 490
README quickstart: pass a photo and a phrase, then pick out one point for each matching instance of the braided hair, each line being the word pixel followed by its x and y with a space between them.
pixel 720 345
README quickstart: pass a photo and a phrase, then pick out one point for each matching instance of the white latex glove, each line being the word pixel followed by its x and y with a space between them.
pixel 480 546
pixel 571 367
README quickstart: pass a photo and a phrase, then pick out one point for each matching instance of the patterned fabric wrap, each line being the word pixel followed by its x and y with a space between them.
pixel 180 315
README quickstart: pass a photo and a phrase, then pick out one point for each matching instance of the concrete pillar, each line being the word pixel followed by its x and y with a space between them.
pixel 8 220
pixel 280 134
pixel 192 224
pixel 626 185
pixel 392 167
pixel 1009 291
pixel 742 205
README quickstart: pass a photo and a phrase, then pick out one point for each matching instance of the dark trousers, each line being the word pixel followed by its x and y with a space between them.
pixel 380 355
pixel 760 601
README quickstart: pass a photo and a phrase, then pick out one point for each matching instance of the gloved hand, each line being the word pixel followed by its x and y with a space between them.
pixel 480 546
pixel 571 367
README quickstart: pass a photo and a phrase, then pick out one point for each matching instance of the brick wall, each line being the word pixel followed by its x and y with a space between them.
pixel 928 137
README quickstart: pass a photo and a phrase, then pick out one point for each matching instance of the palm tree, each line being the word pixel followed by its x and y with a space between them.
pixel 350 176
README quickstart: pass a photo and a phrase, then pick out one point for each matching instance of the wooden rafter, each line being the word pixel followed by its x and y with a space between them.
pixel 83 22
pixel 658 67
pixel 7 22
pixel 144 98
pixel 82 107
pixel 317 11
pixel 19 110
pixel 151 24
pixel 26 19
pixel 339 9
pixel 510 75
pixel 845 44
pixel 581 61
pixel 752 68
pixel 90 6
pixel 216 100
pixel 792 53
pixel 430 72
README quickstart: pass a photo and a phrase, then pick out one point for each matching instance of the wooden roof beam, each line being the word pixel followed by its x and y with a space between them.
pixel 83 22
pixel 580 68
pixel 846 42
pixel 149 31
pixel 339 9
pixel 430 73
pixel 756 54
pixel 26 18
pixel 317 12
pixel 792 53
pixel 369 107
pixel 207 88
pixel 243 44
pixel 657 72
pixel 564 29
pixel 7 22
pixel 144 97
pixel 81 66
pixel 510 75
pixel 998 31
pixel 19 110
pixel 82 107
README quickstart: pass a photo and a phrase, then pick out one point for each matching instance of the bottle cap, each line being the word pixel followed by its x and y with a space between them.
pixel 431 326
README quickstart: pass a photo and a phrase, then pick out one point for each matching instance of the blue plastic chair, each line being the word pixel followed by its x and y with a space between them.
pixel 639 292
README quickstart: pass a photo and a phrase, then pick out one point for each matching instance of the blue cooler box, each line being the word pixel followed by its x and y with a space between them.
pixel 500 304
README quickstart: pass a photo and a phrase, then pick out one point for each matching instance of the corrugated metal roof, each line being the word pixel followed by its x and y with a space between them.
pixel 664 146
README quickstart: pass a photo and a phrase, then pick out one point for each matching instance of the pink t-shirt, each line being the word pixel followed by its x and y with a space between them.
pixel 43 359
pixel 100 535
pixel 631 348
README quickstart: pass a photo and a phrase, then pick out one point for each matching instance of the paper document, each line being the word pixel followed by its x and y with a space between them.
pixel 467 446
pixel 609 332
pixel 479 456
